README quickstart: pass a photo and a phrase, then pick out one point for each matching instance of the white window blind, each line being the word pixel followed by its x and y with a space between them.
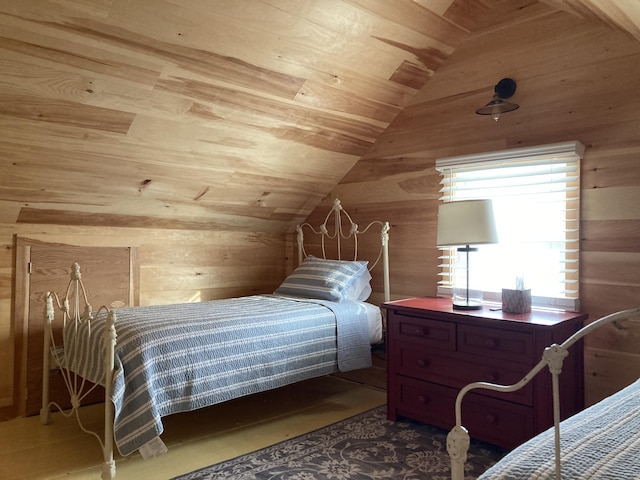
pixel 536 199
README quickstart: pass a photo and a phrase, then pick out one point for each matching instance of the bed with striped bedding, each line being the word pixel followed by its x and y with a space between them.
pixel 599 443
pixel 157 360
pixel 176 358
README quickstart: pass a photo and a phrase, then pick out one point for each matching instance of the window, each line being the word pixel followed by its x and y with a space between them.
pixel 536 199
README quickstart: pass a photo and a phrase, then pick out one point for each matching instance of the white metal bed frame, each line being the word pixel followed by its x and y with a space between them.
pixel 553 356
pixel 75 308
pixel 338 235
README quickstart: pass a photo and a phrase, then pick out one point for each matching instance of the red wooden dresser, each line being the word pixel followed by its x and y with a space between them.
pixel 433 351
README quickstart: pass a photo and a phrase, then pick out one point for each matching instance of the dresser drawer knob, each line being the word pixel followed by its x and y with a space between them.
pixel 423 362
pixel 491 343
pixel 423 399
pixel 493 377
pixel 491 419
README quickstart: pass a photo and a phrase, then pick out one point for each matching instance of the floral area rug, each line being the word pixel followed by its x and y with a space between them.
pixel 362 447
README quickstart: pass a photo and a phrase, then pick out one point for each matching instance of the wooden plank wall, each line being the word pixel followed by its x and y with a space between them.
pixel 576 81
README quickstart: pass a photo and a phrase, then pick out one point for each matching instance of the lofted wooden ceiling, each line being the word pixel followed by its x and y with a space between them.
pixel 201 114
pixel 621 14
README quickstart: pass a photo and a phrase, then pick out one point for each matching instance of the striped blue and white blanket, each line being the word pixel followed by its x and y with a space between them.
pixel 176 358
pixel 599 443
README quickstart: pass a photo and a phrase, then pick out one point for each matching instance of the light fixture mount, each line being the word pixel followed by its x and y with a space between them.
pixel 505 88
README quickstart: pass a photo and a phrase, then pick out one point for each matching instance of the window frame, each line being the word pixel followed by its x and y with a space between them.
pixel 569 153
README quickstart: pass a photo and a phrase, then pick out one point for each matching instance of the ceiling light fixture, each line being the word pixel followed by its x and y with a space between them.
pixel 504 89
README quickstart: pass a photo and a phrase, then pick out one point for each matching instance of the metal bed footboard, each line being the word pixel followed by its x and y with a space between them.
pixel 553 356
pixel 78 388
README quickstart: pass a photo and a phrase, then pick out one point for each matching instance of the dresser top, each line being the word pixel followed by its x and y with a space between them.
pixel 443 307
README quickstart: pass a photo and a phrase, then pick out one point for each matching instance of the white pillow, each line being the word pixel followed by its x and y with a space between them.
pixel 360 289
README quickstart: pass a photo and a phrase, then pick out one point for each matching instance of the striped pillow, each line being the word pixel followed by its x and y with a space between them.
pixel 322 279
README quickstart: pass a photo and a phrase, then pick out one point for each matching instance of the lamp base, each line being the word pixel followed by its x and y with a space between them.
pixel 464 296
pixel 467 304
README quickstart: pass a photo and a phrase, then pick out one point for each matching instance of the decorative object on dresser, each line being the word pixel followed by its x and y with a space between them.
pixel 433 351
pixel 516 301
pixel 467 222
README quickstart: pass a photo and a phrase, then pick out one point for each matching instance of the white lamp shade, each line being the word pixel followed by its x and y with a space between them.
pixel 466 222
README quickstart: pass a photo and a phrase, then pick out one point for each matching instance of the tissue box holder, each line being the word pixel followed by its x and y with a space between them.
pixel 516 301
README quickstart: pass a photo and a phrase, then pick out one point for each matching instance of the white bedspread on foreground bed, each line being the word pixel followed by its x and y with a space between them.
pixel 200 354
pixel 601 442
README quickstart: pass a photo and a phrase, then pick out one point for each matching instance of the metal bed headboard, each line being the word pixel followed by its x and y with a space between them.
pixel 339 235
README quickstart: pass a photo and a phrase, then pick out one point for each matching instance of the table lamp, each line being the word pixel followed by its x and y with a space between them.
pixel 465 223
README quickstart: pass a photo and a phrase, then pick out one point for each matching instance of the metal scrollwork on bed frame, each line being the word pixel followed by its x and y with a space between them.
pixel 76 295
pixel 78 387
pixel 339 234
pixel 553 356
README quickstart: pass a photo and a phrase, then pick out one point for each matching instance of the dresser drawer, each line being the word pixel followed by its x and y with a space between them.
pixel 456 370
pixel 432 333
pixel 427 402
pixel 489 419
pixel 424 364
pixel 497 343
pixel 495 421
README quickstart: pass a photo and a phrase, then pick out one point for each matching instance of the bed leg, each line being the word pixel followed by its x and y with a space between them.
pixel 457 447
pixel 109 467
pixel 48 318
pixel 109 470
pixel 554 356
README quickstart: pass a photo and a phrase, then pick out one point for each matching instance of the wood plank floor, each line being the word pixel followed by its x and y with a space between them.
pixel 60 450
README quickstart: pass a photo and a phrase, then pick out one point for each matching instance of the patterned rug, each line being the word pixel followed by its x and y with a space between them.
pixel 366 446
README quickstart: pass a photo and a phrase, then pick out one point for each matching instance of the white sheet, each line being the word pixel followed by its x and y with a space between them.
pixel 374 316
